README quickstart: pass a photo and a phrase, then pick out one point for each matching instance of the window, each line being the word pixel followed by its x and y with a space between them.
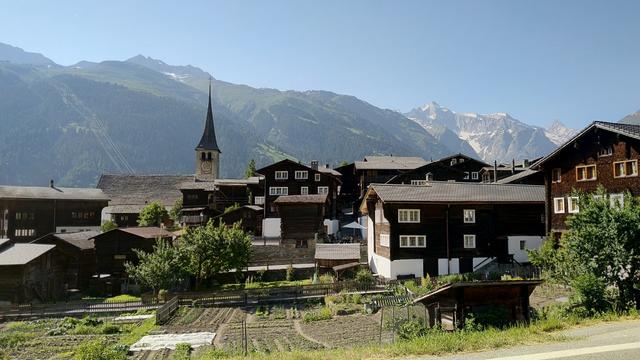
pixel 409 215
pixel 317 177
pixel 322 190
pixel 304 190
pixel 469 216
pixel 469 241
pixel 585 173
pixel 278 190
pixel 413 241
pixel 523 244
pixel 24 232
pixel 605 151
pixel 460 160
pixel 466 175
pixel 302 244
pixel 419 182
pixel 384 240
pixel 453 161
pixel 301 174
pixel 616 200
pixel 25 216
pixel 556 175
pixel 572 203
pixel 558 205
pixel 625 168
pixel 429 177
pixel 258 200
pixel 192 197
pixel 474 175
pixel 282 175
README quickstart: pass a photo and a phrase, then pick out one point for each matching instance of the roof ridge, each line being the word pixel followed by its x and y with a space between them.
pixel 456 183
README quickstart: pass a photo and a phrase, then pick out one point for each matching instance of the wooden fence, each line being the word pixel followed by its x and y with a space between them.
pixel 75 308
pixel 167 310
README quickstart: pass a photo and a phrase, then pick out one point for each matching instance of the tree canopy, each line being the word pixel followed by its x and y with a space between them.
pixel 152 214
pixel 251 169
pixel 158 269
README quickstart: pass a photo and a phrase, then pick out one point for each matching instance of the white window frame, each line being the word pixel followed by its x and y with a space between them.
pixel 323 190
pixel 555 171
pixel 624 168
pixel 471 219
pixel 471 237
pixel 317 177
pixel 572 205
pixel 466 175
pixel 405 216
pixel 301 175
pixel 605 151
pixel 419 182
pixel 586 172
pixel 474 175
pixel 613 202
pixel 419 241
pixel 454 161
pixel 304 190
pixel 278 190
pixel 384 240
pixel 282 175
pixel 557 209
pixel 258 200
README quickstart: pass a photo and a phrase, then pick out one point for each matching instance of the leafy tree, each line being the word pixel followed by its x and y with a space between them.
pixel 343 163
pixel 251 169
pixel 152 214
pixel 206 251
pixel 176 211
pixel 231 208
pixel 108 226
pixel 158 269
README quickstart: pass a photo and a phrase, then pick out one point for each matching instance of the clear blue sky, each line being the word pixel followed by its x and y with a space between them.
pixel 575 61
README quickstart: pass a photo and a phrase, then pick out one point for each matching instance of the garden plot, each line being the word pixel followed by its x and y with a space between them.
pixel 169 341
pixel 347 331
pixel 266 336
pixel 163 354
pixel 189 320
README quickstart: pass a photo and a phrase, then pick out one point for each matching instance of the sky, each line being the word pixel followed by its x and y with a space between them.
pixel 574 61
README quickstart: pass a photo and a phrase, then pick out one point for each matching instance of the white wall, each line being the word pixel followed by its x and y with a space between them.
pixel 454 266
pixel 531 243
pixel 392 269
pixel 364 221
pixel 271 228
pixel 332 226
pixel 370 245
pixel 478 260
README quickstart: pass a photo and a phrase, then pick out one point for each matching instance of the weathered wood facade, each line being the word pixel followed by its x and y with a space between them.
pixel 587 161
pixel 302 219
pixel 249 217
pixel 457 167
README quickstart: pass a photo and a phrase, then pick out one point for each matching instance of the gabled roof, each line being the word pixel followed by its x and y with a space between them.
pixel 518 176
pixel 215 184
pixel 324 170
pixel 208 140
pixel 51 193
pixel 456 192
pixel 82 240
pixel 629 130
pixel 150 232
pixel 460 155
pixel 142 189
pixel 21 254
pixel 390 163
pixel 467 284
pixel 301 199
pixel 337 251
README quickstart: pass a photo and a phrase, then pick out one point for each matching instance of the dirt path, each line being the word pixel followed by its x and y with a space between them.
pixel 298 327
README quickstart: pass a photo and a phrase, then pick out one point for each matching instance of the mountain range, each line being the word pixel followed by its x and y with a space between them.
pixel 73 123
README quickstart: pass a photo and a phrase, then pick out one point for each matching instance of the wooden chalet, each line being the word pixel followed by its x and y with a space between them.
pixel 77 257
pixel 380 169
pixel 29 272
pixel 507 301
pixel 601 154
pixel 27 213
pixel 302 217
pixel 249 217
pixel 497 172
pixel 457 167
pixel 450 227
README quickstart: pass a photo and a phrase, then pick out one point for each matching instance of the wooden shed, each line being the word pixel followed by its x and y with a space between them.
pixel 330 255
pixel 250 217
pixel 504 301
pixel 302 219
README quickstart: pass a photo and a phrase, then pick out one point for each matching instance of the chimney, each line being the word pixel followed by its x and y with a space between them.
pixel 314 164
pixel 51 184
pixel 525 163
pixel 513 166
pixel 326 166
pixel 495 170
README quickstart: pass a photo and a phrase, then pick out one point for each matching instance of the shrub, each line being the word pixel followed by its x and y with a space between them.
pixel 182 352
pixel 13 339
pixel 99 350
pixel 364 276
pixel 122 298
pixel 323 313
pixel 590 293
pixel 326 279
pixel 108 329
pixel 356 298
pixel 163 294
pixel 212 354
pixel 290 273
pixel 411 329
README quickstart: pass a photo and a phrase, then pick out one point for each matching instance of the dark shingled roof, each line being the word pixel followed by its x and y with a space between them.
pixel 83 240
pixel 52 193
pixel 337 251
pixel 518 176
pixel 150 232
pixel 301 199
pixel 208 140
pixel 390 163
pixel 632 131
pixel 142 189
pixel 21 254
pixel 448 192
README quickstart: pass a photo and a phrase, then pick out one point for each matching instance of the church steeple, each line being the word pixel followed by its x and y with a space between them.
pixel 208 140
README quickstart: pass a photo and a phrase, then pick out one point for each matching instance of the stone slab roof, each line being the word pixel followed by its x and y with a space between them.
pixel 301 199
pixel 51 193
pixel 518 176
pixel 390 163
pixel 83 240
pixel 150 232
pixel 142 189
pixel 21 254
pixel 337 252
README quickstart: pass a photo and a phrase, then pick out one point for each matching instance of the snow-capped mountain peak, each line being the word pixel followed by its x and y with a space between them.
pixel 558 133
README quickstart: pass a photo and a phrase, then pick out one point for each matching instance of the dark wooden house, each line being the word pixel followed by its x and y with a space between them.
pixel 601 154
pixel 457 167
pixel 29 272
pixel 249 217
pixel 288 177
pixel 301 219
pixel 526 177
pixel 450 227
pixel 506 301
pixel 76 254
pixel 27 213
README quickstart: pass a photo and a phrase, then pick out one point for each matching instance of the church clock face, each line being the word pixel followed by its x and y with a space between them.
pixel 205 167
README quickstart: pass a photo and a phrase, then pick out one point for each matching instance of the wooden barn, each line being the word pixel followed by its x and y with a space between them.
pixel 249 216
pixel 77 257
pixel 302 219
pixel 28 272
pixel 505 302
pixel 331 255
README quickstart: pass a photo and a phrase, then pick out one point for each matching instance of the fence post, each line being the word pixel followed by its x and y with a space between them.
pixel 381 318
pixel 393 324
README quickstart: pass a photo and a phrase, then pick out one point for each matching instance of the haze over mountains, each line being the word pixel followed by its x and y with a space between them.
pixel 141 115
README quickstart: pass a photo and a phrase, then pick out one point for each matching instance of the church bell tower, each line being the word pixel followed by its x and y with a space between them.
pixel 207 151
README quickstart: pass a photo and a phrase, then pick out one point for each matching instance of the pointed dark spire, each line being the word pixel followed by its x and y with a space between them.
pixel 208 140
